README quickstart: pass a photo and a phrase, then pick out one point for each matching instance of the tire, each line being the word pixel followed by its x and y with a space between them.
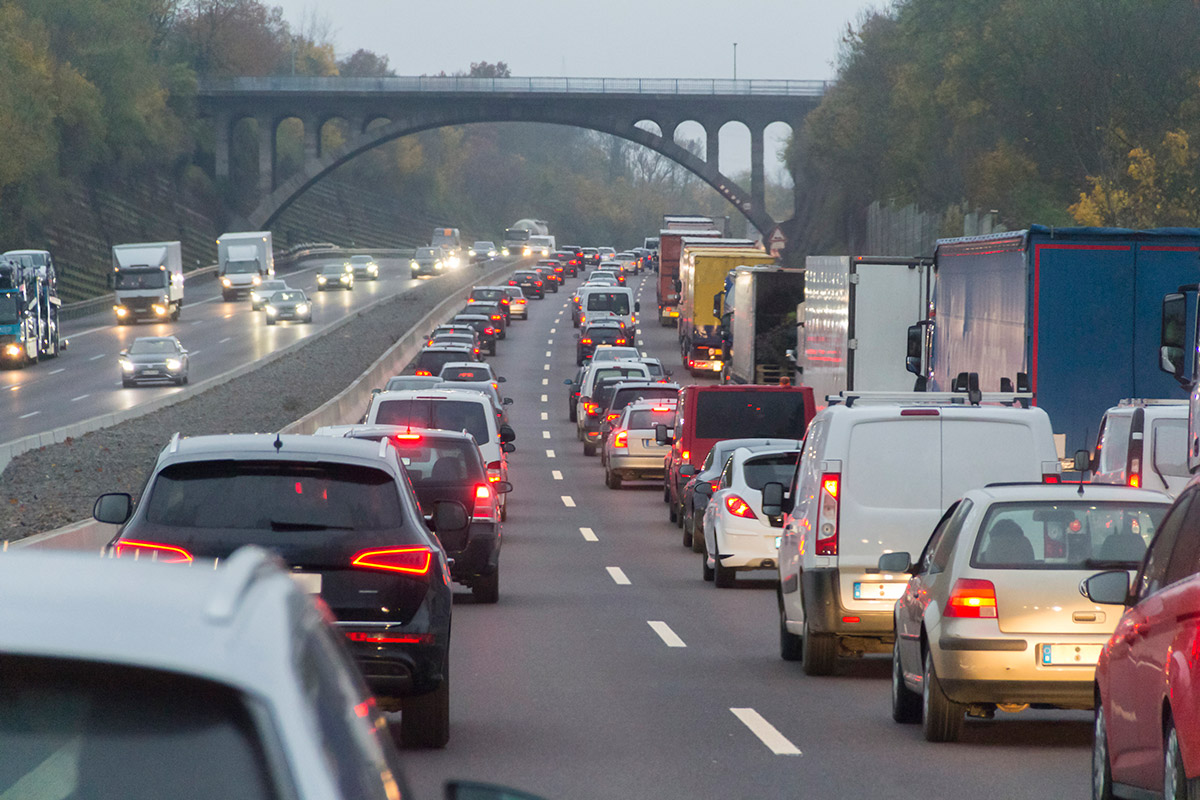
pixel 270 322
pixel 589 449
pixel 1176 785
pixel 679 515
pixel 725 577
pixel 666 493
pixel 1102 783
pixel 492 349
pixel 906 704
pixel 486 588
pixel 687 535
pixel 612 480
pixel 820 651
pixel 697 534
pixel 425 720
pixel 180 381
pixel 572 413
pixel 706 572
pixel 791 646
pixel 942 718
pixel 127 383
pixel 228 298
pixel 672 514
pixel 504 511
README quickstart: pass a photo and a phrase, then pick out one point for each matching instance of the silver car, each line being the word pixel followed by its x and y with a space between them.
pixel 630 451
pixel 290 304
pixel 260 293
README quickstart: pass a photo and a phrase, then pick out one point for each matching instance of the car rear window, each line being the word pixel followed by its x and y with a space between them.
pixel 626 396
pixel 432 361
pixel 645 419
pixel 1170 446
pixel 441 414
pixel 1066 535
pixel 274 496
pixel 466 374
pixel 616 302
pixel 488 294
pixel 83 729
pixel 778 468
pixel 430 460
pixel 724 415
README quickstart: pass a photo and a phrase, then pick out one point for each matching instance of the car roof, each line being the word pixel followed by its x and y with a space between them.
pixel 1066 492
pixel 347 431
pixel 167 338
pixel 433 394
pixel 196 620
pixel 470 364
pixel 448 347
pixel 264 446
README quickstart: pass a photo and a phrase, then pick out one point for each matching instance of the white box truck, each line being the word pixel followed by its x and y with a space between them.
pixel 147 279
pixel 244 261
pixel 857 310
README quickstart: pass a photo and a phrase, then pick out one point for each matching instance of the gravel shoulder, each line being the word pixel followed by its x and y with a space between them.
pixel 54 486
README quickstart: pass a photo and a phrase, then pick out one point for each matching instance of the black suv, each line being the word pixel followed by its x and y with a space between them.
pixel 603 332
pixel 483 325
pixel 530 283
pixel 342 516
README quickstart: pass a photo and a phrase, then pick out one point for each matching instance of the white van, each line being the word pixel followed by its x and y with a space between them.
pixel 451 410
pixel 608 302
pixel 1143 443
pixel 876 473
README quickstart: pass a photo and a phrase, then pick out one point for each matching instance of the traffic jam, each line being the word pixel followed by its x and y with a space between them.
pixel 928 463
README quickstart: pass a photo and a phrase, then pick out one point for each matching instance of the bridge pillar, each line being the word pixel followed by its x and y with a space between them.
pixel 758 188
pixel 266 154
pixel 222 133
pixel 312 138
pixel 712 143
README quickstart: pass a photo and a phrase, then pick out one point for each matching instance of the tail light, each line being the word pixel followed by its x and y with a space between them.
pixel 585 341
pixel 590 408
pixel 828 513
pixel 414 560
pixel 687 454
pixel 485 504
pixel 489 330
pixel 154 551
pixel 619 341
pixel 537 283
pixel 390 638
pixel 739 507
pixel 512 283
pixel 494 469
pixel 1133 466
pixel 610 417
pixel 424 372
pixel 621 439
pixel 497 317
pixel 1051 477
pixel 972 598
pixel 407 437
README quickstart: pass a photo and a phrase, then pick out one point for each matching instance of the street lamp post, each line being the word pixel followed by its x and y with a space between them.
pixel 735 61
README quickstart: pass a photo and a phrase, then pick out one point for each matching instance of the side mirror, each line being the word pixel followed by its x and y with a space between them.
pixel 704 488
pixel 1108 588
pixel 502 487
pixel 1082 461
pixel 508 447
pixel 114 509
pixel 772 499
pixel 687 471
pixel 898 563
pixel 1173 338
pixel 124 352
pixel 568 382
pixel 449 515
pixel 915 349
pixel 637 306
pixel 507 434
pixel 662 435
pixel 508 401
pixel 376 391
pixel 502 379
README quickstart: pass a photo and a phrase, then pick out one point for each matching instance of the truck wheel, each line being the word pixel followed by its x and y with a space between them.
pixel 425 719
pixel 486 588
pixel 176 312
pixel 589 449
pixel 820 651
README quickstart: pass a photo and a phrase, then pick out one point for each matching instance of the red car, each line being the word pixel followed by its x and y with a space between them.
pixel 1147 730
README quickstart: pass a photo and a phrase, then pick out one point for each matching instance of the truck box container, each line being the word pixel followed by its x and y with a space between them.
pixel 758 320
pixel 245 260
pixel 147 280
pixel 703 266
pixel 670 247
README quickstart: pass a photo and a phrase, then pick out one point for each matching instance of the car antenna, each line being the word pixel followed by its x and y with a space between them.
pixel 278 443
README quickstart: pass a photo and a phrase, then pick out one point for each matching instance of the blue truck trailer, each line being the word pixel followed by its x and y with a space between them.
pixel 28 308
pixel 1074 315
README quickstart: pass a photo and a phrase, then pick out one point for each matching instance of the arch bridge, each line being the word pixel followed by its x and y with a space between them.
pixel 410 105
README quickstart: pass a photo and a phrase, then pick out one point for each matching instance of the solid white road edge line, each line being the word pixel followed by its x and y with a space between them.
pixel 669 637
pixel 775 741
pixel 618 576
pixel 588 535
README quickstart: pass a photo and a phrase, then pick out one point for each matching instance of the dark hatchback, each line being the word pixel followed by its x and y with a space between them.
pixel 431 359
pixel 447 465
pixel 341 514
pixel 490 295
pixel 550 279
pixel 530 283
pixel 601 333
pixel 572 264
pixel 483 325
pixel 494 313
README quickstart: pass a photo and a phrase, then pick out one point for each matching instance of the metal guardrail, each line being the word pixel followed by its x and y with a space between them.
pixel 439 83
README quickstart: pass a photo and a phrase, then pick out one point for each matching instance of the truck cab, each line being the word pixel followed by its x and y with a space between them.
pixel 245 260
pixel 147 281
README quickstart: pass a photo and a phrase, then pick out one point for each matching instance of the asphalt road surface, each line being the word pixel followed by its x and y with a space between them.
pixel 609 669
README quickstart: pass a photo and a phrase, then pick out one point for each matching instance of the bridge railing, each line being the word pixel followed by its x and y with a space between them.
pixel 451 83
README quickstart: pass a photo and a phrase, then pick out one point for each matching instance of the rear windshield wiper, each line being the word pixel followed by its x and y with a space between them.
pixel 277 525
pixel 1109 563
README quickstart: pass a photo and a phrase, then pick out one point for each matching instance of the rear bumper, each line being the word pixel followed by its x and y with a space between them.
pixel 824 612
pixel 481 556
pixel 643 466
pixel 395 670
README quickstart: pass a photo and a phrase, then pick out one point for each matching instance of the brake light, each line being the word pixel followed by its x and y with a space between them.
pixel 407 437
pixel 1051 477
pixel 972 598
pixel 920 412
pixel 1135 481
pixel 621 439
pixel 485 506
pixel 414 560
pixel 611 417
pixel 537 283
pixel 489 330
pixel 828 515
pixel 687 454
pixel 155 551
pixel 497 316
pixel 424 372
pixel 739 507
pixel 585 341
pixel 384 638
pixel 590 408
pixel 494 468
pixel 619 341
pixel 662 408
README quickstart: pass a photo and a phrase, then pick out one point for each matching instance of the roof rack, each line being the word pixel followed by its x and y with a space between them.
pixel 241 570
pixel 930 398
pixel 1146 401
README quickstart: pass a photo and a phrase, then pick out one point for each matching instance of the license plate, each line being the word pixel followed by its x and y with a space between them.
pixel 149 372
pixel 1083 655
pixel 878 591
pixel 310 582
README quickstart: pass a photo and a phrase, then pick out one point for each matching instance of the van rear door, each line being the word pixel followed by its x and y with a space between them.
pixel 976 452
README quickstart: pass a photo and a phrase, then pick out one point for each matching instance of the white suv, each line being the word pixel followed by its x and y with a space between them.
pixel 875 474
pixel 1143 443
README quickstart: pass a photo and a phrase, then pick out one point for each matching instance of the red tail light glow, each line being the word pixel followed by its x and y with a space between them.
pixel 424 372
pixel 166 553
pixel 585 341
pixel 739 507
pixel 414 560
pixel 590 408
pixel 484 504
pixel 1052 478
pixel 1135 481
pixel 687 454
pixel 621 439
pixel 828 515
pixel 972 598
pixel 409 437
pixel 489 330
pixel 610 417
pixel 394 638
pixel 494 471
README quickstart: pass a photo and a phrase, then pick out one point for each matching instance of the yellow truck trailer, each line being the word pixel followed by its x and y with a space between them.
pixel 702 272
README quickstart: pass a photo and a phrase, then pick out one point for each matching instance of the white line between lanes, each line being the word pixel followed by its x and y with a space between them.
pixel 556 475
pixel 545 434
pixel 568 501
pixel 545 381
pixel 549 353
pixel 56 371
pixel 553 330
pixel 669 637
pixel 30 414
pixel 588 535
pixel 226 339
pixel 618 576
pixel 549 341
pixel 775 741
pixel 77 399
pixel 545 415
pixel 549 454
pixel 545 366
pixel 545 399
pixel 94 358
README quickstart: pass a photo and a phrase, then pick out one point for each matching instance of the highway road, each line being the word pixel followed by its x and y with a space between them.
pixel 609 669
pixel 85 381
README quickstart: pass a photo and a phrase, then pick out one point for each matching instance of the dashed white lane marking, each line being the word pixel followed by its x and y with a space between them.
pixel 226 339
pixel 545 381
pixel 56 371
pixel 77 399
pixel 14 388
pixel 202 321
pixel 549 454
pixel 545 415
pixel 568 501
pixel 618 576
pixel 775 741
pixel 556 475
pixel 545 434
pixel 669 637
pixel 545 399
pixel 641 342
pixel 588 535
pixel 96 358
pixel 194 353
pixel 546 366
pixel 549 341
pixel 30 414
pixel 553 330
pixel 549 353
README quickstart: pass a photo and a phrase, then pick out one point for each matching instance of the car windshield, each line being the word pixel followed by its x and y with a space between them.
pixel 439 413
pixel 8 309
pixel 240 267
pixel 516 235
pixel 361 259
pixel 466 374
pixel 427 252
pixel 1065 535
pixel 83 729
pixel 271 286
pixel 488 294
pixel 287 297
pixel 274 496
pixel 333 269
pixel 646 419
pixel 767 414
pixel 141 279
pixel 777 468
pixel 483 246
pixel 142 347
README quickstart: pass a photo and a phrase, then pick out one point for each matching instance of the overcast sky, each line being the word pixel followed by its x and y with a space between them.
pixel 794 39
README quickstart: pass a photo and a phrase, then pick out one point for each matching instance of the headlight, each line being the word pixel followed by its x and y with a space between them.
pixel 373 269
pixel 504 251
pixel 254 298
pixel 344 279
pixel 159 310
pixel 122 311
pixel 302 308
pixel 414 265
pixel 272 311
pixel 437 265
pixel 15 350
pixel 255 281
pixel 545 252
pixel 126 365
pixel 526 251
pixel 472 253
pixel 492 254
pixel 320 279
pixel 226 282
pixel 174 364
